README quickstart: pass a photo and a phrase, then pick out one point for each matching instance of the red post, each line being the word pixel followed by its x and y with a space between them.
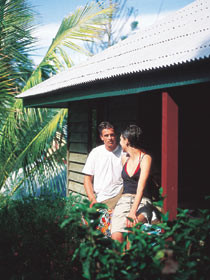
pixel 169 169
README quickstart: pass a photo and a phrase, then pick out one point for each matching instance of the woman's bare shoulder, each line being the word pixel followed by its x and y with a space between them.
pixel 146 160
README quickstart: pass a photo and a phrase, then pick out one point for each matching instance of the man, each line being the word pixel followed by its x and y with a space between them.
pixel 102 181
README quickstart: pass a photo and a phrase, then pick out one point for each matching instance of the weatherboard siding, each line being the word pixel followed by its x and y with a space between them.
pixel 78 147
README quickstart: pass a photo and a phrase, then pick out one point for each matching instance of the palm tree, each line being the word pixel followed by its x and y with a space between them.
pixel 27 157
pixel 16 20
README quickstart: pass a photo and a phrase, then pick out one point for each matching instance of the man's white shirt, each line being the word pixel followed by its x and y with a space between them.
pixel 106 167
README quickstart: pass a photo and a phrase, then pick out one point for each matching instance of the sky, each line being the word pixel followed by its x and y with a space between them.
pixel 52 12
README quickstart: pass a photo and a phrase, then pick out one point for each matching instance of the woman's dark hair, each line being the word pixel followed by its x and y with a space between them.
pixel 134 134
pixel 104 125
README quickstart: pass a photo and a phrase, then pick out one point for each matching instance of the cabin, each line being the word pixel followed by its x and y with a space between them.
pixel 158 78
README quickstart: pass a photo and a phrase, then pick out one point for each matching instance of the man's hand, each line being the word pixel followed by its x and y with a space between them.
pixel 93 202
pixel 88 184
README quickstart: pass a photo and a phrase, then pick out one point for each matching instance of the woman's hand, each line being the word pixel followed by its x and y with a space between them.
pixel 130 223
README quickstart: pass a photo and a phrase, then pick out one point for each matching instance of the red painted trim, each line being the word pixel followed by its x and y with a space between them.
pixel 169 169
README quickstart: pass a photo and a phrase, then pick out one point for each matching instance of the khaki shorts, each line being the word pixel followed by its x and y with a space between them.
pixel 111 202
pixel 122 209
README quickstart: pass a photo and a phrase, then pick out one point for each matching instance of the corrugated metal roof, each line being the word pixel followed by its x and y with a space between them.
pixel 178 39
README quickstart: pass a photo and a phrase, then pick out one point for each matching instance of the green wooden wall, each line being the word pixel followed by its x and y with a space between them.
pixel 78 127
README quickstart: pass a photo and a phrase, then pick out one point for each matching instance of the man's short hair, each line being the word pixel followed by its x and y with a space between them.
pixel 104 125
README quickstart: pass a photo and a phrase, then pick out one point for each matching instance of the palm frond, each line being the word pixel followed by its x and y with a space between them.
pixel 85 23
pixel 27 136
pixel 35 148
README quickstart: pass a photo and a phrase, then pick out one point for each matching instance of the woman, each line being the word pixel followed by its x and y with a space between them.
pixel 135 201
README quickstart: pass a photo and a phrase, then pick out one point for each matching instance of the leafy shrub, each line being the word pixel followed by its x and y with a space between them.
pixel 47 238
pixel 170 250
pixel 33 245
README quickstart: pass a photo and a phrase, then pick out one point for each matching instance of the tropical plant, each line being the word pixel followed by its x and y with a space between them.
pixel 16 20
pixel 85 24
pixel 33 245
pixel 51 237
pixel 28 156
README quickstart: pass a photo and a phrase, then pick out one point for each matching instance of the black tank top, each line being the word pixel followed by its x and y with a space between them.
pixel 130 183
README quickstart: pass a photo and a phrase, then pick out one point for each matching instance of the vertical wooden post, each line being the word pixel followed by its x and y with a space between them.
pixel 169 169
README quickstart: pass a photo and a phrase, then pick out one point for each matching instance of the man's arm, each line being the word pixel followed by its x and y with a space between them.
pixel 88 184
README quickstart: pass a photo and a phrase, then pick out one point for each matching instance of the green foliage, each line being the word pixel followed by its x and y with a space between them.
pixel 169 250
pixel 33 245
pixel 25 135
pixel 16 26
pixel 58 238
pixel 31 154
pixel 85 24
